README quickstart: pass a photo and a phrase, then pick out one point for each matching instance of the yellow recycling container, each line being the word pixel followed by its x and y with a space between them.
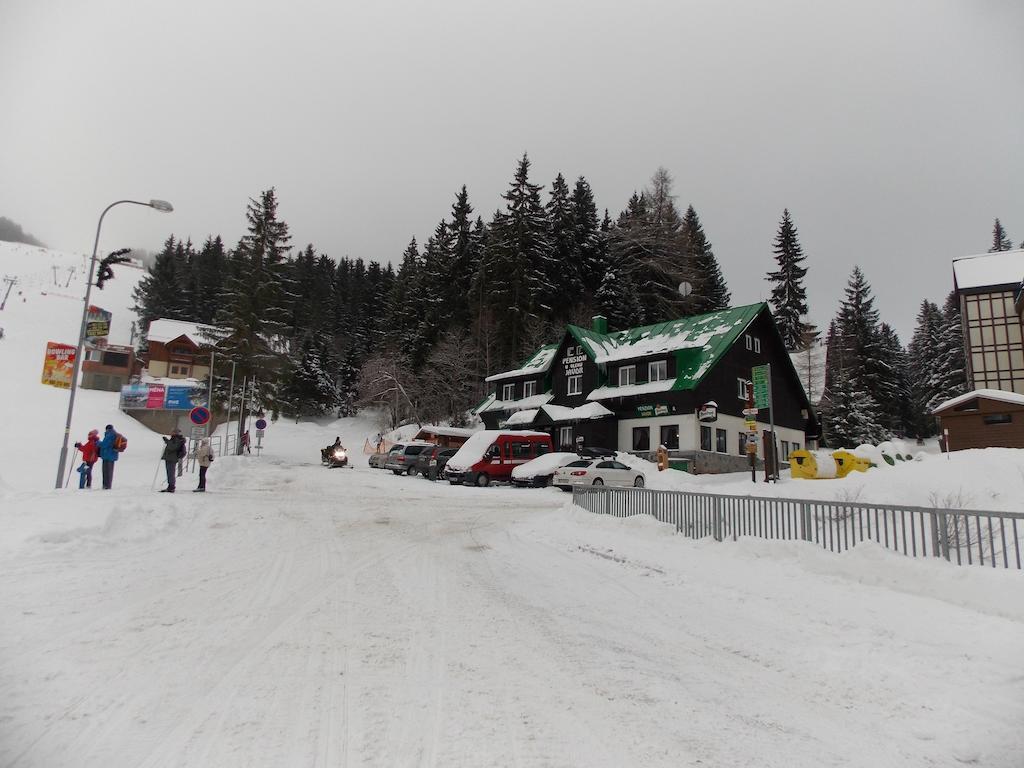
pixel 812 465
pixel 847 462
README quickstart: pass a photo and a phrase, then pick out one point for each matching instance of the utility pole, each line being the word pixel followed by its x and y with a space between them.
pixel 11 282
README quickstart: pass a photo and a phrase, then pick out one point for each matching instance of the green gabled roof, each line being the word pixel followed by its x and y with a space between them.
pixel 538 362
pixel 696 342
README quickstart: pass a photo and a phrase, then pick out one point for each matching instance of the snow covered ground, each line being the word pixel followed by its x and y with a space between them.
pixel 301 616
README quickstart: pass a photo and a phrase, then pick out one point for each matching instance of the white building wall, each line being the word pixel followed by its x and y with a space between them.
pixel 689 432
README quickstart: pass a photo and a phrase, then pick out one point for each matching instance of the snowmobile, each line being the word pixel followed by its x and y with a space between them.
pixel 334 457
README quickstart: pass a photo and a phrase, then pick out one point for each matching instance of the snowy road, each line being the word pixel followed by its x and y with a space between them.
pixel 307 617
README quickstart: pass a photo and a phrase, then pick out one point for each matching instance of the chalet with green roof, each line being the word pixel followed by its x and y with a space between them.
pixel 638 388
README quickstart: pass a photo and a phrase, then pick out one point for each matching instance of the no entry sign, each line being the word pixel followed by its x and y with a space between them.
pixel 199 415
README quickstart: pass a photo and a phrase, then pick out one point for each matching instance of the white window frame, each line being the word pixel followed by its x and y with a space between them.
pixel 529 388
pixel 625 370
pixel 749 341
pixel 661 366
pixel 574 384
pixel 741 386
pixel 508 392
pixel 757 345
pixel 563 434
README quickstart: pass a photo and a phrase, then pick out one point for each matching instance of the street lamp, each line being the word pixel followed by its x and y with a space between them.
pixel 157 205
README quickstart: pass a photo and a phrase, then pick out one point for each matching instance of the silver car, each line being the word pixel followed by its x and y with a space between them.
pixel 597 472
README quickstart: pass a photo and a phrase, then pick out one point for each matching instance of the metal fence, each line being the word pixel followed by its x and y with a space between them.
pixel 967 537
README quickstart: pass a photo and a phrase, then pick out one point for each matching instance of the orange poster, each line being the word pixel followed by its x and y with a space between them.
pixel 58 364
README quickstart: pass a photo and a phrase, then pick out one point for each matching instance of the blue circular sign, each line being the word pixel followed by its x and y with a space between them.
pixel 261 423
pixel 199 415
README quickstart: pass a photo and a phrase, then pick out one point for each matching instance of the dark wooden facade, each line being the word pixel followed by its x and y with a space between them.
pixel 983 422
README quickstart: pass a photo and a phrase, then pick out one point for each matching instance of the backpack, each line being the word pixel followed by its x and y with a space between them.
pixel 120 443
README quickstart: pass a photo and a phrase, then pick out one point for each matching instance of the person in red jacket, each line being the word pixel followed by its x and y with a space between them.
pixel 90 453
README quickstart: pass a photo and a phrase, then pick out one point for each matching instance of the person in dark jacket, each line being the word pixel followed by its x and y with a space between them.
pixel 108 455
pixel 174 451
pixel 90 452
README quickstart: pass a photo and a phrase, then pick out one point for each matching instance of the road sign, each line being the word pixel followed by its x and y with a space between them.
pixel 198 433
pixel 259 432
pixel 751 412
pixel 261 424
pixel 760 377
pixel 199 415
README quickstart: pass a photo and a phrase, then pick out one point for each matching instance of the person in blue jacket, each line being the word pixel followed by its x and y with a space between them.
pixel 108 455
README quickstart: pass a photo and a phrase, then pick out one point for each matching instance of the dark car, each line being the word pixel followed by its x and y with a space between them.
pixel 592 452
pixel 402 457
pixel 431 462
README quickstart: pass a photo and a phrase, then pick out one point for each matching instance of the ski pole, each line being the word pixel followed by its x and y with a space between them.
pixel 152 486
pixel 70 470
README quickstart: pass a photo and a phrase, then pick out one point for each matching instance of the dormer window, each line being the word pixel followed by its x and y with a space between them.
pixel 529 388
pixel 508 392
pixel 627 375
pixel 657 371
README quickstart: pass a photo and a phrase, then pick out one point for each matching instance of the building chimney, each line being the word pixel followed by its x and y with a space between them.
pixel 599 324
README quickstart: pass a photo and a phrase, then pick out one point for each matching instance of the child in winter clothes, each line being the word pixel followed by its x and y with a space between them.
pixel 90 453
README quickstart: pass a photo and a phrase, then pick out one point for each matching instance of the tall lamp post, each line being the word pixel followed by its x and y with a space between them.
pixel 157 205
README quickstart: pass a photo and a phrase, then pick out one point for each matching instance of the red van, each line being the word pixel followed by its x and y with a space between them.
pixel 491 455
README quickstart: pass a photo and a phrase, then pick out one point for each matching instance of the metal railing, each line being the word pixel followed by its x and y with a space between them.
pixel 964 536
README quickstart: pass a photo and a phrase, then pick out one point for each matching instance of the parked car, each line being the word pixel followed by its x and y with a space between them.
pixel 597 472
pixel 540 472
pixel 431 462
pixel 492 454
pixel 593 452
pixel 402 457
pixel 377 460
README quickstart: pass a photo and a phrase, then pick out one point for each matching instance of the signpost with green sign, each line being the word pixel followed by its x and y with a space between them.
pixel 761 375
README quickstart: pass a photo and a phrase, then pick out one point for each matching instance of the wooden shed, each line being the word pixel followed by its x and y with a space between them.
pixel 983 418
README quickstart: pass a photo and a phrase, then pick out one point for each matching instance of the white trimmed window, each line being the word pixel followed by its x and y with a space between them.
pixel 529 388
pixel 741 388
pixel 508 392
pixel 750 341
pixel 757 345
pixel 627 375
pixel 574 385
pixel 565 437
pixel 657 371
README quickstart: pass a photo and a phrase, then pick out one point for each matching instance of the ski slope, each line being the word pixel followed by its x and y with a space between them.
pixel 301 616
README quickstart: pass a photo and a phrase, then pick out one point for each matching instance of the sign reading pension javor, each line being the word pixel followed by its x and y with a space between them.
pixel 573 361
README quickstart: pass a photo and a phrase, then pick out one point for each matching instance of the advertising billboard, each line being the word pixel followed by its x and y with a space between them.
pixel 58 364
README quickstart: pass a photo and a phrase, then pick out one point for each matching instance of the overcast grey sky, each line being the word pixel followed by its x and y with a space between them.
pixel 891 129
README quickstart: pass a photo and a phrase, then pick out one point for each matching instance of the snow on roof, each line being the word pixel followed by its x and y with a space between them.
pixel 433 429
pixel 989 394
pixel 1001 268
pixel 534 401
pixel 580 413
pixel 630 390
pixel 701 332
pixel 522 417
pixel 538 362
pixel 164 330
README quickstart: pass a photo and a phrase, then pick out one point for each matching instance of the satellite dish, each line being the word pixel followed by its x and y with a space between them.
pixel 685 289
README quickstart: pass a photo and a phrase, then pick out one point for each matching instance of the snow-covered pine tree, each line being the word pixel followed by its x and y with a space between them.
pixel 789 296
pixel 520 263
pixel 404 305
pixel 922 363
pixel 894 387
pixel 208 275
pixel 617 300
pixel 465 255
pixel 567 277
pixel 852 416
pixel 256 307
pixel 951 368
pixel 159 292
pixel 1000 240
pixel 309 389
pixel 710 292
pixel 587 235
